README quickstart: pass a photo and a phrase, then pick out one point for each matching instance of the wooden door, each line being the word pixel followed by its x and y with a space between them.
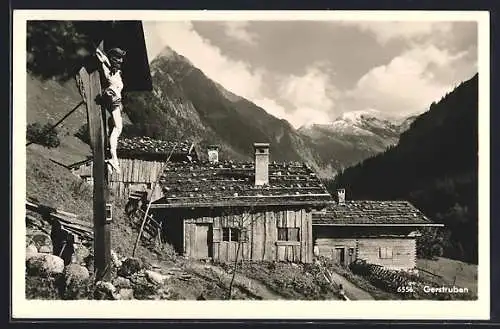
pixel 339 256
pixel 351 256
pixel 201 242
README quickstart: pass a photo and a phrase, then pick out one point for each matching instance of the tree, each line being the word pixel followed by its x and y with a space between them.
pixel 244 220
pixel 42 135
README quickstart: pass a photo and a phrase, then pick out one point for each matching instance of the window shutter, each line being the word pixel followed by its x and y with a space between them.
pixel 216 234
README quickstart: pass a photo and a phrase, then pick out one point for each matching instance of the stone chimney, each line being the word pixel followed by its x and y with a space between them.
pixel 213 153
pixel 341 196
pixel 261 163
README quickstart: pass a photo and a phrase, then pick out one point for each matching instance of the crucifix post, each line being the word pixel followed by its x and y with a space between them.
pixel 89 84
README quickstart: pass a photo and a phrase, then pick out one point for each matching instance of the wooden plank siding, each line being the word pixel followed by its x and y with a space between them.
pixel 261 243
pixel 368 249
pixel 403 252
pixel 135 175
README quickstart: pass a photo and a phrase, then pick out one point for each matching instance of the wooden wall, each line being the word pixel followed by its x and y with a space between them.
pixel 261 231
pixel 403 257
pixel 403 250
pixel 326 247
pixel 135 175
pixel 83 170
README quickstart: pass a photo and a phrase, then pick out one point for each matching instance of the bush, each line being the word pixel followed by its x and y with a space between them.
pixel 42 135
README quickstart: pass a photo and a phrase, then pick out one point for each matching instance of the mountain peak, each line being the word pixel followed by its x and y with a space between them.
pixel 170 54
pixel 355 116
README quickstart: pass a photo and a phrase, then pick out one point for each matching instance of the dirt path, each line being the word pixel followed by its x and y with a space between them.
pixel 352 291
pixel 249 286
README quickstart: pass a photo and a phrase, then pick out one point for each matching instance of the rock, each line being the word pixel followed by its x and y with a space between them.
pixel 44 265
pixel 31 251
pixel 41 239
pixel 75 274
pixel 121 282
pixel 105 290
pixel 129 267
pixel 81 253
pixel 156 277
pixel 126 294
pixel 45 249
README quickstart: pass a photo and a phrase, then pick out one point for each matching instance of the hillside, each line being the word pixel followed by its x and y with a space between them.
pixel 434 165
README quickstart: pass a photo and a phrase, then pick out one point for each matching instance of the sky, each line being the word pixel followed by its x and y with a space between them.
pixel 314 71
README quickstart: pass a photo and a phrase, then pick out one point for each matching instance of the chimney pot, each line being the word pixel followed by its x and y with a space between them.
pixel 341 196
pixel 213 153
pixel 261 163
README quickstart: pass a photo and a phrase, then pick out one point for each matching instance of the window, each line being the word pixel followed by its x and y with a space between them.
pixel 288 234
pixel 231 234
pixel 385 253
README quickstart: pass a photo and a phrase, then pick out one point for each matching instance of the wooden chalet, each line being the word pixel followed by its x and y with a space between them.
pixel 379 232
pixel 212 209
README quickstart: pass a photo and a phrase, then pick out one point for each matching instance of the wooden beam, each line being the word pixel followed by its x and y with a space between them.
pixel 89 84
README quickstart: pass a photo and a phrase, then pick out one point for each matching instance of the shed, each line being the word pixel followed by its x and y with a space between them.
pixel 212 209
pixel 141 160
pixel 379 232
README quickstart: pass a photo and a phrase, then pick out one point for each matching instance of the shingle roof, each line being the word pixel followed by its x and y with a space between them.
pixel 228 183
pixel 137 147
pixel 366 213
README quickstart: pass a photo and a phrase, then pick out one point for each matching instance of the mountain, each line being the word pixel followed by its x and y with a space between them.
pixel 185 103
pixel 435 166
pixel 355 136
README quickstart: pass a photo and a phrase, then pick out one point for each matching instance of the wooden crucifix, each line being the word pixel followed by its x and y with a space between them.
pixel 89 84
pixel 137 77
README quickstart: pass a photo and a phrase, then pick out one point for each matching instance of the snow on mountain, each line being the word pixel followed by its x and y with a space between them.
pixel 361 123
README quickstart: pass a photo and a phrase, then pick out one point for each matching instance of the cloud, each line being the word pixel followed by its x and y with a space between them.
pixel 387 31
pixel 408 83
pixel 312 95
pixel 309 94
pixel 236 76
pixel 238 30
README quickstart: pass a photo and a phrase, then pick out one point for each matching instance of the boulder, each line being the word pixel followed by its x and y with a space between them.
pixel 121 282
pixel 105 290
pixel 31 251
pixel 129 267
pixel 75 274
pixel 41 239
pixel 45 249
pixel 155 277
pixel 44 265
pixel 126 294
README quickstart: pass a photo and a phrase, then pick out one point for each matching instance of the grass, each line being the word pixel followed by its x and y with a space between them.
pixel 55 186
pixel 451 271
pixel 292 281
